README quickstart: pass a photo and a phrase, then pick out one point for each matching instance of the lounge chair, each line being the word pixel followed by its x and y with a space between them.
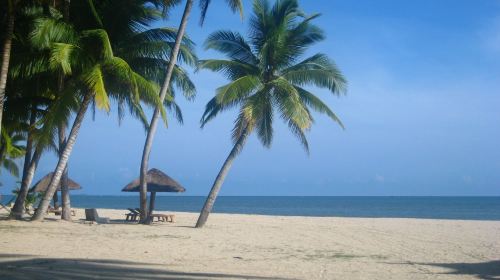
pixel 163 217
pixel 92 216
pixel 132 216
pixel 159 217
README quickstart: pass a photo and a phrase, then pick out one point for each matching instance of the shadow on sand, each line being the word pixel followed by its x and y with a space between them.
pixel 32 267
pixel 484 270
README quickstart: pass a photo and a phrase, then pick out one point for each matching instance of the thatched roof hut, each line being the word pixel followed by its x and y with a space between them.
pixel 43 184
pixel 157 182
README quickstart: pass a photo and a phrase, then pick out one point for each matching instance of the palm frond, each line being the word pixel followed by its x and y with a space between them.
pixel 317 105
pixel 317 70
pixel 232 44
pixel 95 83
pixel 290 105
pixel 60 57
pixel 237 89
pixel 234 5
pixel 182 81
pixel 11 167
pixel 47 31
pixel 233 69
pixel 99 38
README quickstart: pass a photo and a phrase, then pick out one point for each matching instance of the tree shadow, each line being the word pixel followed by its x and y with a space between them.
pixel 52 268
pixel 484 270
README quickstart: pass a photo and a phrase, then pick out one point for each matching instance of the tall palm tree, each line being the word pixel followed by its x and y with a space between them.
pixel 27 95
pixel 267 75
pixel 235 5
pixel 6 48
pixel 132 58
pixel 96 75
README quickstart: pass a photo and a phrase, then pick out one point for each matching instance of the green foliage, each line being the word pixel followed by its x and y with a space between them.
pixel 10 150
pixel 107 48
pixel 266 74
pixel 234 5
pixel 31 198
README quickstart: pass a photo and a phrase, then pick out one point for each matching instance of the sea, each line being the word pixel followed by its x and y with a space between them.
pixel 432 207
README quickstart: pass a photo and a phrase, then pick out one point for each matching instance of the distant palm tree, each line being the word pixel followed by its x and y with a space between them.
pixel 266 76
pixel 235 5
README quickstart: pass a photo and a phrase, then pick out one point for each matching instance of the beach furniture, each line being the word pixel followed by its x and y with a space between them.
pixel 92 216
pixel 132 215
pixel 163 217
pixel 159 217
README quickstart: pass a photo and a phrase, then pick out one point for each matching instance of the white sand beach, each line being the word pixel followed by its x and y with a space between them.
pixel 250 247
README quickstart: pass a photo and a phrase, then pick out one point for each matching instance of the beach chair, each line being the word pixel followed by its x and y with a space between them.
pixel 132 215
pixel 92 216
pixel 163 217
pixel 159 217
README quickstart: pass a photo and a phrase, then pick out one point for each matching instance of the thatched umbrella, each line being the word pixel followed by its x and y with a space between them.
pixel 43 184
pixel 157 182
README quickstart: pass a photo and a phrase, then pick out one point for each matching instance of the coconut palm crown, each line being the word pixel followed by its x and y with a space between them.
pixel 266 73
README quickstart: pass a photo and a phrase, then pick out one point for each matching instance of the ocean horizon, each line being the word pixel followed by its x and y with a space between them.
pixel 423 207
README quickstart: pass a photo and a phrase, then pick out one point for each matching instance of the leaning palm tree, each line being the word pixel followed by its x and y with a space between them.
pixel 267 75
pixel 235 5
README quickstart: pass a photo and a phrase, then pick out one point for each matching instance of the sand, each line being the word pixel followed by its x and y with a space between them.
pixel 250 247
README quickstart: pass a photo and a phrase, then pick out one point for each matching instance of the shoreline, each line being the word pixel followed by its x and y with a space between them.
pixel 451 208
pixel 242 246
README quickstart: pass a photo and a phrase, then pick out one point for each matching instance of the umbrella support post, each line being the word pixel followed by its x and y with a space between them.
pixel 151 205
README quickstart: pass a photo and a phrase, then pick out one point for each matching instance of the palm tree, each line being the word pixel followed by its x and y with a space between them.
pixel 266 76
pixel 235 5
pixel 96 75
pixel 27 96
pixel 6 47
pixel 36 87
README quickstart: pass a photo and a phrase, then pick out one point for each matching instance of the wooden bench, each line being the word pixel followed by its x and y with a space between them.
pixel 163 217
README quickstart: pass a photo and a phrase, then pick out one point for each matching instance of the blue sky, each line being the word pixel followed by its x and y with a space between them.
pixel 421 114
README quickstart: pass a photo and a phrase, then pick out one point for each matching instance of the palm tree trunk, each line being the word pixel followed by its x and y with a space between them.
pixel 19 205
pixel 65 199
pixel 18 209
pixel 156 115
pixel 7 45
pixel 63 159
pixel 219 180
